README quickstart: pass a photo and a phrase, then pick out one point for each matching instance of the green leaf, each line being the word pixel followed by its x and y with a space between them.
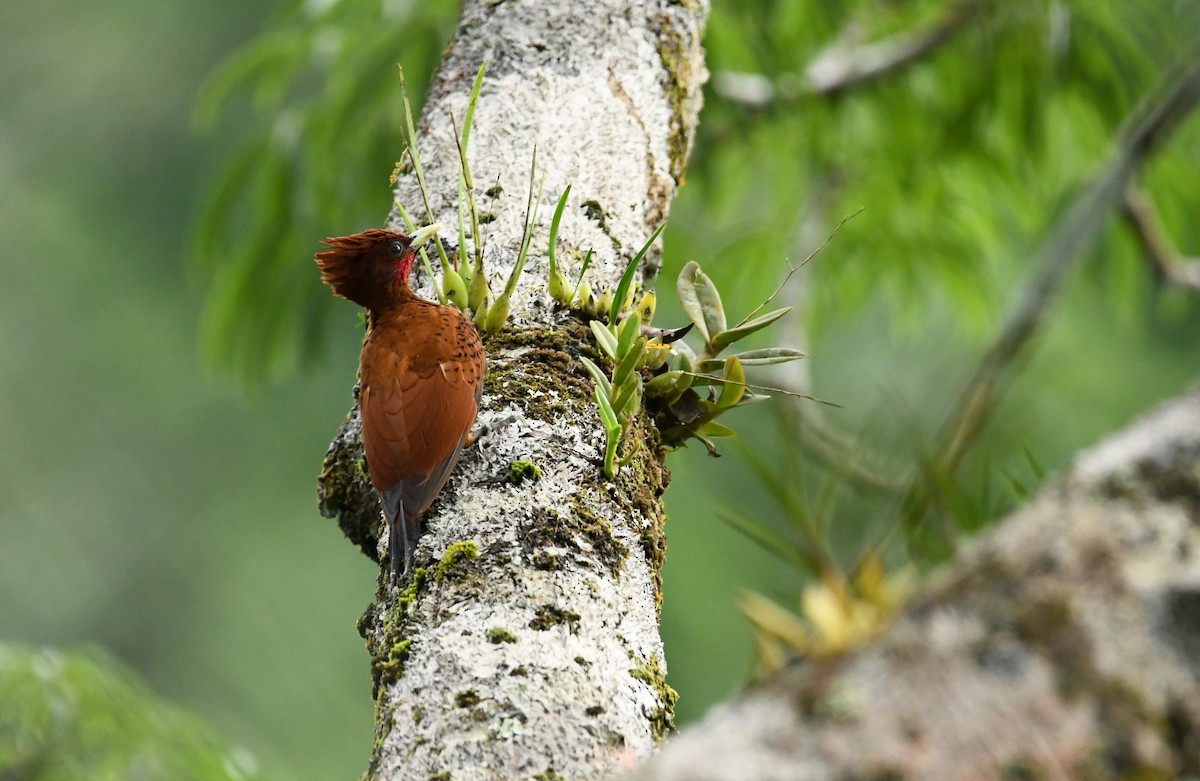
pixel 587 261
pixel 413 153
pixel 734 383
pixel 470 117
pixel 1035 466
pixel 274 58
pixel 664 383
pixel 604 339
pixel 612 434
pixel 628 331
pixel 82 714
pixel 749 398
pixel 607 414
pixel 624 401
pixel 597 375
pixel 700 300
pixel 531 210
pixel 627 277
pixel 762 357
pixel 769 355
pixel 787 549
pixel 1019 490
pixel 725 338
pixel 466 184
pixel 462 228
pixel 629 364
pixel 610 455
pixel 554 223
pixel 715 429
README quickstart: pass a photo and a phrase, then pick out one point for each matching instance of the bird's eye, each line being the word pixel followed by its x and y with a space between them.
pixel 397 248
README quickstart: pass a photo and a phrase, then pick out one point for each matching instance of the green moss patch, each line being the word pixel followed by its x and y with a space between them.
pixel 520 471
pixel 548 616
pixel 662 719
pixel 456 556
pixel 499 634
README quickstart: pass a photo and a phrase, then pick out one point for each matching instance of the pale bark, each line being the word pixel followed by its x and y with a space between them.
pixel 540 657
pixel 1064 644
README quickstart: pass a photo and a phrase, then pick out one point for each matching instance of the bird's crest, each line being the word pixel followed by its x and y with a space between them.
pixel 360 267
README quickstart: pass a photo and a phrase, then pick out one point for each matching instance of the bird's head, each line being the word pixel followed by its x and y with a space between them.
pixel 371 268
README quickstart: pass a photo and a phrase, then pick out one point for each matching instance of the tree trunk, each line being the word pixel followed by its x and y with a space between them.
pixel 526 644
pixel 1064 644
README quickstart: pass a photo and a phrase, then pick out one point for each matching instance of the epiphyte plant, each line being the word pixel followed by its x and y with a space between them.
pixel 619 396
pixel 463 282
pixel 647 363
pixel 681 411
pixel 656 365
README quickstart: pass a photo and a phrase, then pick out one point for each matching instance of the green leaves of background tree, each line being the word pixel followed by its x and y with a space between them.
pixel 970 168
pixel 1047 81
pixel 963 157
pixel 324 129
pixel 80 714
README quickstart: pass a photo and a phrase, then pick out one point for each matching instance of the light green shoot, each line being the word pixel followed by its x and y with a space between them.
pixel 587 261
pixel 415 156
pixel 531 210
pixel 410 226
pixel 558 285
pixel 627 278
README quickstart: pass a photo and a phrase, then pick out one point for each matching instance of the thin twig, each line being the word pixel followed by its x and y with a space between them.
pixel 839 67
pixel 793 269
pixel 846 62
pixel 1075 232
pixel 1170 265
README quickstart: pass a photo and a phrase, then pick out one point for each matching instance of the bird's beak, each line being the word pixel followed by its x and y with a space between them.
pixel 422 235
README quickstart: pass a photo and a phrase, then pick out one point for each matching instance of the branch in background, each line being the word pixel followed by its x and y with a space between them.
pixel 1170 265
pixel 1072 236
pixel 845 63
pixel 1064 644
pixel 846 455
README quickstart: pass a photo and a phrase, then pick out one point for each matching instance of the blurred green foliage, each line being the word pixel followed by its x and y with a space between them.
pixel 152 511
pixel 322 87
pixel 82 716
pixel 963 160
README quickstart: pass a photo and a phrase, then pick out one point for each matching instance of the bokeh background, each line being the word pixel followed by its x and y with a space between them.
pixel 171 372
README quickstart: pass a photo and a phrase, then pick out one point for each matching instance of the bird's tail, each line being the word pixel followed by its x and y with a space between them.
pixel 406 528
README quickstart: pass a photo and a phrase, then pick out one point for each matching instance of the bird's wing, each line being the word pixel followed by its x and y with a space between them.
pixel 418 402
